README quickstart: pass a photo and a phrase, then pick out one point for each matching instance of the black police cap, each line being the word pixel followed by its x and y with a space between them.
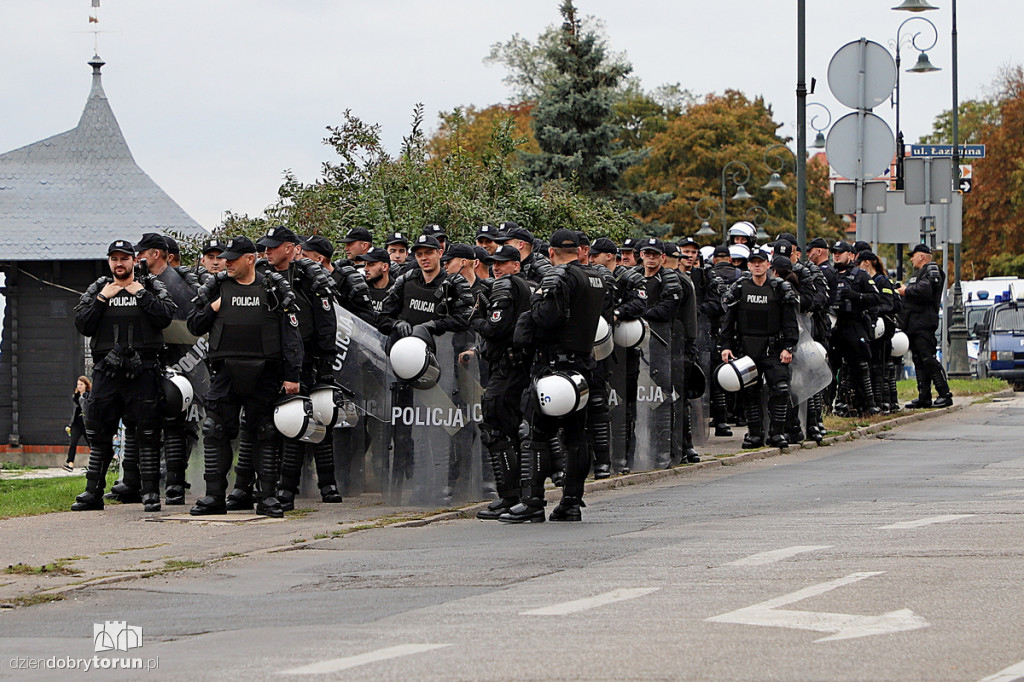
pixel 237 247
pixel 121 246
pixel 151 240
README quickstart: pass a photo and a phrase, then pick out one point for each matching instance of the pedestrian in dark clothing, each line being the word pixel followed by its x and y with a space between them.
pixel 76 429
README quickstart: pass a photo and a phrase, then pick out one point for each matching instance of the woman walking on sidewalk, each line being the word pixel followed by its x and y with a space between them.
pixel 76 429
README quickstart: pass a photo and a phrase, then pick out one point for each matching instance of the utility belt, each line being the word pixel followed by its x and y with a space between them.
pixel 125 362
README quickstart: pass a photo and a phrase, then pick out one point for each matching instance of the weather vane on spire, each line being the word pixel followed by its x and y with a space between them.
pixel 94 18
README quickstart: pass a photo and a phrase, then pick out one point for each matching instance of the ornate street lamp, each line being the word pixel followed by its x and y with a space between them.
pixel 738 177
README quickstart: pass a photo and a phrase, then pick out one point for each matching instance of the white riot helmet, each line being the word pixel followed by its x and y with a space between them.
pixel 413 361
pixel 743 228
pixel 707 253
pixel 879 329
pixel 293 418
pixel 331 408
pixel 736 374
pixel 562 392
pixel 603 344
pixel 739 251
pixel 178 393
pixel 630 333
pixel 900 344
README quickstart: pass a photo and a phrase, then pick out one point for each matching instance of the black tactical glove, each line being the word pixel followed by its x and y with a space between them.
pixel 402 329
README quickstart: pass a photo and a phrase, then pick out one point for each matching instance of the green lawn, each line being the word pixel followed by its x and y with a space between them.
pixel 907 388
pixel 20 497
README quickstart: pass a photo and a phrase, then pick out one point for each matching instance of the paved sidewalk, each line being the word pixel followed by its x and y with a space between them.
pixel 122 542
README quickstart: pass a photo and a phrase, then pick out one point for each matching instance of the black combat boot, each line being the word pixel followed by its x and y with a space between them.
pixel 241 498
pixel 496 508
pixel 568 509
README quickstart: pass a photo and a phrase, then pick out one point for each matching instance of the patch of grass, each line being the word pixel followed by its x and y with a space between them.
pixel 300 513
pixel 298 541
pixel 11 466
pixel 180 565
pixel 59 567
pixel 907 388
pixel 320 536
pixel 228 555
pixel 42 495
pixel 38 598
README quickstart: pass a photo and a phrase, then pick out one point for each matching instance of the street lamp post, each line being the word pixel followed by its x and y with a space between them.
pixel 922 66
pixel 704 213
pixel 819 136
pixel 739 177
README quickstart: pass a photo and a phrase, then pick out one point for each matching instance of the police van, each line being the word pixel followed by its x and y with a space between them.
pixel 978 297
pixel 1000 337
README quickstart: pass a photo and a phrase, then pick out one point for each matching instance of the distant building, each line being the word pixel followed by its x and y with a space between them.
pixel 62 201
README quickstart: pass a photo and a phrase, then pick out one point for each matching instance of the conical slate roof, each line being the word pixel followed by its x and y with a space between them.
pixel 68 196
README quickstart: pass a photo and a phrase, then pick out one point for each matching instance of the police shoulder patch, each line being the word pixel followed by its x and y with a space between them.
pixel 293 320
pixel 496 316
pixel 325 303
pixel 642 293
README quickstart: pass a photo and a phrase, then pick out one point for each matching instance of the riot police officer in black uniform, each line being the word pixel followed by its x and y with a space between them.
pixel 125 316
pixel 564 316
pixel 318 326
pixel 855 295
pixel 726 274
pixel 508 379
pixel 534 263
pixel 255 353
pixel 884 315
pixel 922 296
pixel 379 278
pixel 760 322
pixel 630 304
pixel 428 300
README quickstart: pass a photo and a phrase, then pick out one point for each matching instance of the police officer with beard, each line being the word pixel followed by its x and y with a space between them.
pixel 922 296
pixel 760 322
pixel 563 315
pixel 255 353
pixel 855 295
pixel 508 380
pixel 429 301
pixel 377 269
pixel 318 326
pixel 124 316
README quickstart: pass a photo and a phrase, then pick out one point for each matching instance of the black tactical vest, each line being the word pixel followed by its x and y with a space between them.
pixel 245 326
pixel 577 334
pixel 758 311
pixel 378 296
pixel 125 323
pixel 422 303
pixel 303 302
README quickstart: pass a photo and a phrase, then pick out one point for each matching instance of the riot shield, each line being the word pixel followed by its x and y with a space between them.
pixel 622 376
pixel 700 408
pixel 436 458
pixel 654 397
pixel 361 450
pixel 809 371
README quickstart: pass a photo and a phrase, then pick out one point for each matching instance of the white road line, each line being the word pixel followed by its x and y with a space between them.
pixel 1011 674
pixel 775 555
pixel 591 602
pixel 902 525
pixel 336 664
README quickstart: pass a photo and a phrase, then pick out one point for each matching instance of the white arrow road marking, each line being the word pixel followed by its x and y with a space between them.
pixel 924 522
pixel 336 664
pixel 591 602
pixel 844 625
pixel 1011 674
pixel 775 555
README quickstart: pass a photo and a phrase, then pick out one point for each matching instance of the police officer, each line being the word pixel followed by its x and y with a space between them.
pixel 685 331
pixel 377 269
pixel 742 232
pixel 318 327
pixel 508 379
pixel 534 263
pixel 435 302
pixel 351 290
pixel 664 296
pixel 124 315
pixel 397 245
pixel 356 242
pixel 760 322
pixel 889 305
pixel 855 295
pixel 922 297
pixel 489 237
pixel 628 251
pixel 179 432
pixel 725 273
pixel 255 353
pixel 210 261
pixel 564 316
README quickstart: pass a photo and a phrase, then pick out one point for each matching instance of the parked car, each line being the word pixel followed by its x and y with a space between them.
pixel 1001 342
pixel 978 296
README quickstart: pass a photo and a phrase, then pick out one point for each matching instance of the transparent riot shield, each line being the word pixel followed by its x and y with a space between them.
pixel 810 371
pixel 623 367
pixel 362 445
pixel 700 408
pixel 654 393
pixel 436 458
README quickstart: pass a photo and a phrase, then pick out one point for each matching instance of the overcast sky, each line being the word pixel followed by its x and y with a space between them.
pixel 218 97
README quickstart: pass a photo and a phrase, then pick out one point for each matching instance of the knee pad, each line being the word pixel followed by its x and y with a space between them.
pixel 149 437
pixel 779 389
pixel 488 436
pixel 213 430
pixel 266 431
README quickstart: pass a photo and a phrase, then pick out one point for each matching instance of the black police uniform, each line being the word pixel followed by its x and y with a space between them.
pixel 508 379
pixel 855 294
pixel 920 319
pixel 684 343
pixel 439 306
pixel 126 339
pixel 318 327
pixel 564 316
pixel 881 348
pixel 599 428
pixel 255 345
pixel 725 274
pixel 760 322
pixel 664 294
pixel 630 304
pixel 535 266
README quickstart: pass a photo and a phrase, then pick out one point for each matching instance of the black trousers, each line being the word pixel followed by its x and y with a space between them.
pixel 77 434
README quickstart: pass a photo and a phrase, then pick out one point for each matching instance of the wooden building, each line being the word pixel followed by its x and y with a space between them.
pixel 63 200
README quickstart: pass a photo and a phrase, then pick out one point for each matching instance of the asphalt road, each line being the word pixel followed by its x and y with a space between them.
pixel 899 558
